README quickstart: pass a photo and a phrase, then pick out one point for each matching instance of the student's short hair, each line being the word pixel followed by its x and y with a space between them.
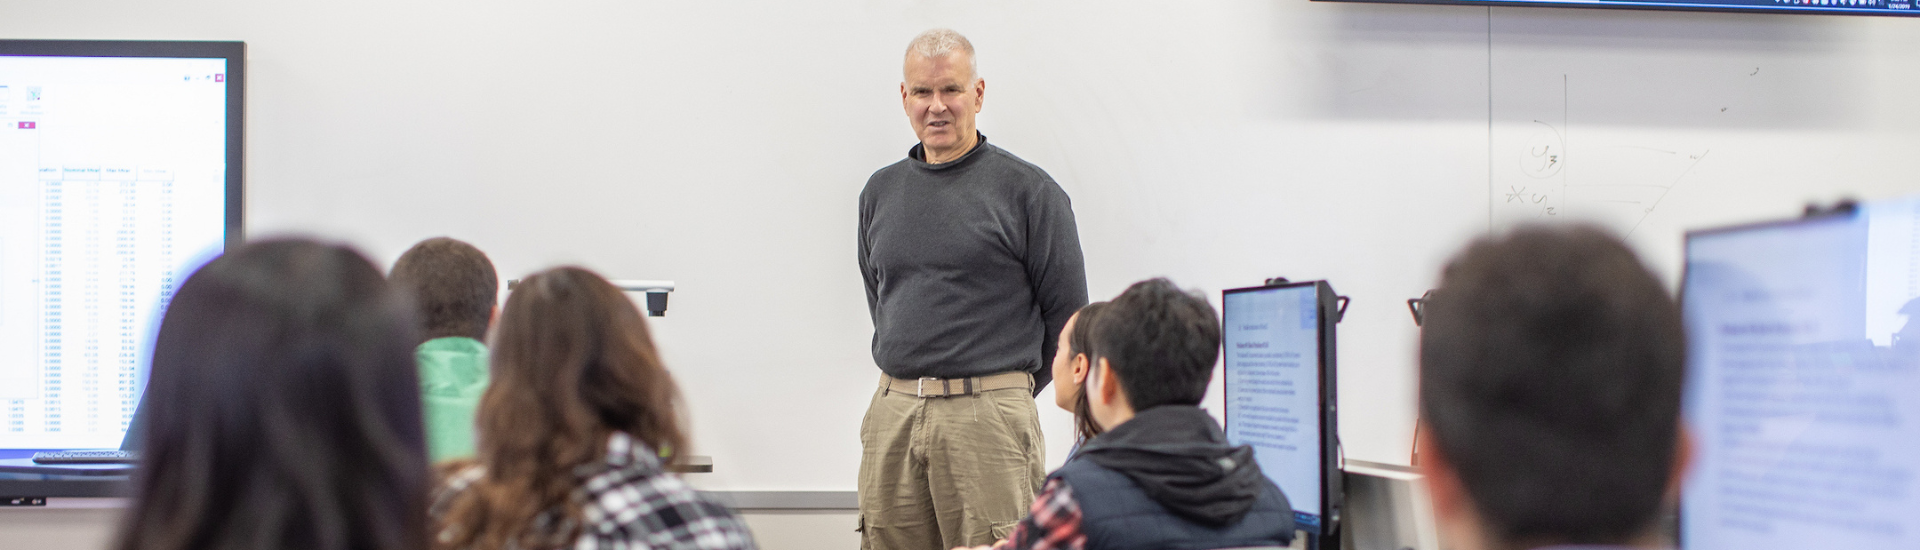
pixel 452 284
pixel 1162 341
pixel 1550 370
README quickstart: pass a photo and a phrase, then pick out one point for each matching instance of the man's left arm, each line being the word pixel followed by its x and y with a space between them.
pixel 1055 268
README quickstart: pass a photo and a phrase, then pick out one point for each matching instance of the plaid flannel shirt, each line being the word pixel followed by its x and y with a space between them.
pixel 1052 524
pixel 631 502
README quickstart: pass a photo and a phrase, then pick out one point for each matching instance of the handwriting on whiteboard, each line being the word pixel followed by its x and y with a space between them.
pixel 1521 196
pixel 1545 153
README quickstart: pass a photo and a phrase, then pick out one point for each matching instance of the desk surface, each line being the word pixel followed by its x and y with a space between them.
pixel 694 464
pixel 28 466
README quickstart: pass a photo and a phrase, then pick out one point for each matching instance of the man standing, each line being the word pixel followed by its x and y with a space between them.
pixel 972 266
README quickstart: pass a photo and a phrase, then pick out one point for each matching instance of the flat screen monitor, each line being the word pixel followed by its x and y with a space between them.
pixel 1803 382
pixel 1279 359
pixel 119 175
pixel 1897 8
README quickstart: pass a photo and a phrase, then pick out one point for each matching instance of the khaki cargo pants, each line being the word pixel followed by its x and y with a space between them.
pixel 941 472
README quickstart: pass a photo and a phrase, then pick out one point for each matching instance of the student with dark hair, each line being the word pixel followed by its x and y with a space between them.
pixel 281 412
pixel 1550 370
pixel 454 289
pixel 576 433
pixel 1162 475
pixel 1071 362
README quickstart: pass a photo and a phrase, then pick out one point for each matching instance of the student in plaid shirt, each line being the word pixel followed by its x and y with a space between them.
pixel 1053 524
pixel 575 432
pixel 1162 474
pixel 630 501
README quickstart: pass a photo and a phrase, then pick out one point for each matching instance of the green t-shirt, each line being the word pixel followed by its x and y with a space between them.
pixel 453 375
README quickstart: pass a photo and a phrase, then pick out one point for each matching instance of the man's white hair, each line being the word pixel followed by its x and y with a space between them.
pixel 936 43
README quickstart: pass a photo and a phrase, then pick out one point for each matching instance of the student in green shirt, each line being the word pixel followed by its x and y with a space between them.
pixel 454 291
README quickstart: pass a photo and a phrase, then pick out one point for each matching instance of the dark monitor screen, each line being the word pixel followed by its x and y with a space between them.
pixel 119 175
pixel 1803 382
pixel 1279 392
pixel 1899 8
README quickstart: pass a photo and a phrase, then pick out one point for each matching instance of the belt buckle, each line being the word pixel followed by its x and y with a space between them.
pixel 921 389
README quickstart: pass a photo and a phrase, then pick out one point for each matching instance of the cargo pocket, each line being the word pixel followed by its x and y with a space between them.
pixel 1002 530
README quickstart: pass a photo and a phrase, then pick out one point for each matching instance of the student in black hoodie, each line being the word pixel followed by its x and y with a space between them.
pixel 1162 475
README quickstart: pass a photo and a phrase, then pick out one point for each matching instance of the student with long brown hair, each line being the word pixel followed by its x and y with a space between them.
pixel 282 411
pixel 1071 361
pixel 575 434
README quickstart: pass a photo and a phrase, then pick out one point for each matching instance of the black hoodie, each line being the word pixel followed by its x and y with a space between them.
pixel 1180 457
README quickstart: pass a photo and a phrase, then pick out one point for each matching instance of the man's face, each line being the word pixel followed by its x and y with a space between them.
pixel 942 95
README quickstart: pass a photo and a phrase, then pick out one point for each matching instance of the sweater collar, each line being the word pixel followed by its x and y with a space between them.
pixel 918 155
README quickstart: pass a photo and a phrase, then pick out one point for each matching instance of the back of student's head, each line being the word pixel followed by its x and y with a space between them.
pixel 452 284
pixel 282 410
pixel 1551 363
pixel 1161 340
pixel 572 363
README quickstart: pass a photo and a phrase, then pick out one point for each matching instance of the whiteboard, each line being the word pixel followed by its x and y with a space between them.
pixel 1696 120
pixel 722 145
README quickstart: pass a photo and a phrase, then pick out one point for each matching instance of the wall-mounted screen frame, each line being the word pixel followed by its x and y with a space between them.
pixel 217 166
pixel 1888 8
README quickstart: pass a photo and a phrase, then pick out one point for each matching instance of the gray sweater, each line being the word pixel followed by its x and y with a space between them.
pixel 972 266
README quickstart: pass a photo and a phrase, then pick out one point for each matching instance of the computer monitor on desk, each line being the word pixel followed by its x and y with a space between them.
pixel 1803 382
pixel 1280 393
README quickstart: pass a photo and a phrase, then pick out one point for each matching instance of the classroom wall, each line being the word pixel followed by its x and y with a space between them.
pixel 722 145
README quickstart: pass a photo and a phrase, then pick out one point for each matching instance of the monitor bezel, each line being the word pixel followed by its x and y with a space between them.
pixel 234 52
pixel 1680 298
pixel 1332 492
pixel 1641 7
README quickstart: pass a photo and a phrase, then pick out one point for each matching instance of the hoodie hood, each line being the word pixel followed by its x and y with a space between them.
pixel 1180 458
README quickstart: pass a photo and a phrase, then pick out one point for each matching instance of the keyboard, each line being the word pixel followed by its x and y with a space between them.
pixel 86 457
